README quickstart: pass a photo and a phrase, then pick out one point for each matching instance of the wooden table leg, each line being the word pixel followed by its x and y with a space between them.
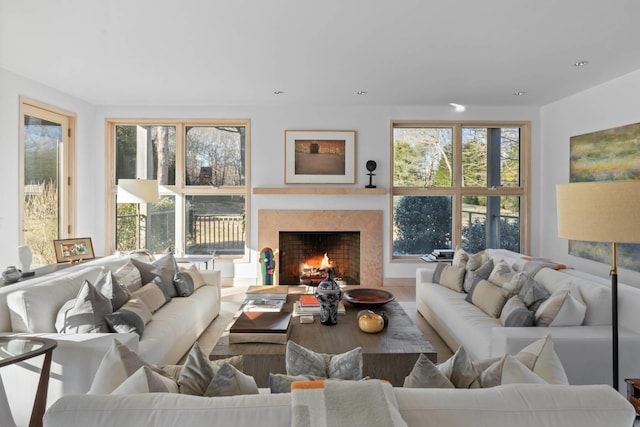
pixel 40 403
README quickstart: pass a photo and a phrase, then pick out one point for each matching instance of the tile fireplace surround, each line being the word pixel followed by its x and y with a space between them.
pixel 367 222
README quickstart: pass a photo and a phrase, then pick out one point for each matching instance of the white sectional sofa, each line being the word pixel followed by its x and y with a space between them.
pixel 505 405
pixel 585 350
pixel 30 308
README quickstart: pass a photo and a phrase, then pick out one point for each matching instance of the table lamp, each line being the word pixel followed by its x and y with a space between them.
pixel 137 191
pixel 601 211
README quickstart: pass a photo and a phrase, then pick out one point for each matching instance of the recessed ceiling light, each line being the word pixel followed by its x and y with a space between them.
pixel 457 107
pixel 520 93
pixel 278 92
pixel 361 92
pixel 580 63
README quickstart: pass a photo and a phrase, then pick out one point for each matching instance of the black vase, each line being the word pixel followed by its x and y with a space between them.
pixel 329 295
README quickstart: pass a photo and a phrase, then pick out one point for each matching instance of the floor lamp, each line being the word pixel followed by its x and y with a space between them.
pixel 137 191
pixel 602 211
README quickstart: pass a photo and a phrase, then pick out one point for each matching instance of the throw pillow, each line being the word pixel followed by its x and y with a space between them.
pixel 125 321
pixel 437 273
pixel 109 286
pixel 516 314
pixel 533 294
pixel 508 370
pixel 198 371
pixel 517 282
pixel 229 381
pixel 540 357
pixel 144 380
pixel 118 364
pixel 488 298
pixel 426 375
pixel 184 284
pixel 85 313
pixel 563 308
pixel 459 369
pixel 453 278
pixel 281 383
pixel 302 361
pixel 193 271
pixel 460 257
pixel 129 276
pixel 472 277
pixel 151 295
pixel 164 269
pixel 501 274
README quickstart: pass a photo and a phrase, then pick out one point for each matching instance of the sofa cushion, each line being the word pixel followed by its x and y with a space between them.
pixel 508 370
pixel 533 294
pixel 230 381
pixel 487 297
pixel 125 321
pixel 542 359
pixel 145 380
pixel 516 314
pixel 426 375
pixel 151 295
pixel 501 274
pixel 472 277
pixel 109 286
pixel 302 361
pixel 193 271
pixel 459 369
pixel 84 314
pixel 281 383
pixel 437 272
pixel 129 276
pixel 198 371
pixel 164 269
pixel 184 284
pixel 460 258
pixel 453 278
pixel 564 308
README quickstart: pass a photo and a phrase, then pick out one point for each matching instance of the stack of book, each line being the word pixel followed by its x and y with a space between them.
pixel 263 305
pixel 308 304
pixel 440 255
pixel 260 327
pixel 267 292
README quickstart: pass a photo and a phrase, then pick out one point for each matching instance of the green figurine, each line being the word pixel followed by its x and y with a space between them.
pixel 268 266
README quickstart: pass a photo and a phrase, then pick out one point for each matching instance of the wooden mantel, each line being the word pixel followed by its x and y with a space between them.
pixel 320 190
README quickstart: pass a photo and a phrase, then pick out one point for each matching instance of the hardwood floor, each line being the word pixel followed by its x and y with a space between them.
pixel 233 296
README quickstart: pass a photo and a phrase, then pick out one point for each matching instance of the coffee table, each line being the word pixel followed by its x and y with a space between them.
pixel 388 355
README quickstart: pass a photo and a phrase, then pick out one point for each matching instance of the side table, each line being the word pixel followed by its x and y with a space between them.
pixel 19 348
pixel 633 393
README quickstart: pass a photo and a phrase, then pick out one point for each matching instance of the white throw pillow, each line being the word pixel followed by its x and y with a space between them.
pixel 501 274
pixel 509 370
pixel 144 380
pixel 563 308
pixel 542 359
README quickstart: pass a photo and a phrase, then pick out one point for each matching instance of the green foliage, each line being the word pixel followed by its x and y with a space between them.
pixel 474 236
pixel 41 222
pixel 421 225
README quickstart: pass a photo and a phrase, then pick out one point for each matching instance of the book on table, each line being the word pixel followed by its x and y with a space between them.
pixel 267 292
pixel 298 309
pixel 308 300
pixel 260 327
pixel 263 305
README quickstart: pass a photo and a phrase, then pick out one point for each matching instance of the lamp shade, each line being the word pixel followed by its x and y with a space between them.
pixel 138 191
pixel 601 211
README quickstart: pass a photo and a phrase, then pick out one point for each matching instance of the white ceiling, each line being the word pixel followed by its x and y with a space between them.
pixel 238 52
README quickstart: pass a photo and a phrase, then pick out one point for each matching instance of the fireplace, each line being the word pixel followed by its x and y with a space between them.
pixel 367 223
pixel 304 257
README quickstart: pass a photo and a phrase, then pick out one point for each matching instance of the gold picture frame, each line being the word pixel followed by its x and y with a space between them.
pixel 73 250
pixel 319 156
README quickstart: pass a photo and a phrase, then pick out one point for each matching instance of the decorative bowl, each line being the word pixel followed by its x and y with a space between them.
pixel 367 296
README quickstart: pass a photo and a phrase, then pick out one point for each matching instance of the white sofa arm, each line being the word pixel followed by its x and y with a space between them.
pixel 74 364
pixel 425 274
pixel 211 277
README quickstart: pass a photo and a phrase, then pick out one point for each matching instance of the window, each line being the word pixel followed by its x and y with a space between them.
pixel 201 168
pixel 48 180
pixel 457 183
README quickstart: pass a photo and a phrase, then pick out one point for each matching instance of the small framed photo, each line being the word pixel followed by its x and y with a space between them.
pixel 73 250
pixel 319 156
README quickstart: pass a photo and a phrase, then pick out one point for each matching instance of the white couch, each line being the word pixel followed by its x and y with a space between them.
pixel 31 307
pixel 506 405
pixel 585 351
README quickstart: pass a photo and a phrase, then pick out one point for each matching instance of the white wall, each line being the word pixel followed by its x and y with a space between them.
pixel 612 104
pixel 12 87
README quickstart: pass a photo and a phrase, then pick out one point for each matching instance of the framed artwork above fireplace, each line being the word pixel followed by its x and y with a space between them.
pixel 319 156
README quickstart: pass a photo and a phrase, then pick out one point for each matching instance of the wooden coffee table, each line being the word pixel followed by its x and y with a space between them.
pixel 388 355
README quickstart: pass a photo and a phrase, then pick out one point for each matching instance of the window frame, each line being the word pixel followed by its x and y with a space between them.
pixel 180 189
pixel 457 191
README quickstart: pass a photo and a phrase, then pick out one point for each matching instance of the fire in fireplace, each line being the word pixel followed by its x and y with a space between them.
pixel 304 257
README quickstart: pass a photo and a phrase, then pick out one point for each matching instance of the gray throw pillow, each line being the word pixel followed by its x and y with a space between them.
pixel 281 383
pixel 125 321
pixel 516 314
pixel 229 381
pixel 85 313
pixel 198 371
pixel 109 286
pixel 533 294
pixel 426 375
pixel 164 269
pixel 302 361
pixel 438 272
pixel 474 276
pixel 184 284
